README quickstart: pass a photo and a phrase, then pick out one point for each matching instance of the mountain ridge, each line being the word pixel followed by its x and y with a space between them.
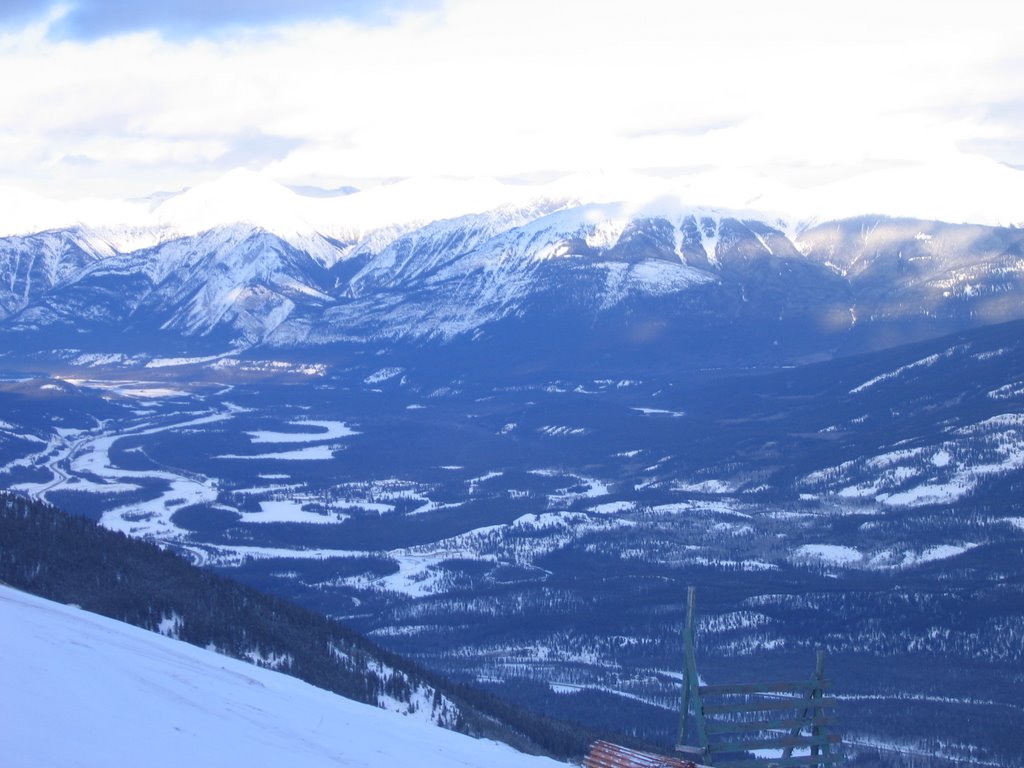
pixel 657 274
pixel 243 262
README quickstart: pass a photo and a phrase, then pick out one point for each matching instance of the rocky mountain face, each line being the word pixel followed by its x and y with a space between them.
pixel 689 282
pixel 32 265
pixel 912 278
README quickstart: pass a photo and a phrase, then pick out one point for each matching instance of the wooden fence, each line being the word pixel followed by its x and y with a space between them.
pixel 757 725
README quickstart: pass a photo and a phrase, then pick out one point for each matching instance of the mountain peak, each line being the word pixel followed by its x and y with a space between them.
pixel 238 197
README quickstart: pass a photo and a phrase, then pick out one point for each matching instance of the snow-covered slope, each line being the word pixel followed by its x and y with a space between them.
pixel 453 277
pixel 33 264
pixel 238 282
pixel 83 690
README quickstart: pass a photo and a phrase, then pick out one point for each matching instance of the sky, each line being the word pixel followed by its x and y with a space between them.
pixel 121 99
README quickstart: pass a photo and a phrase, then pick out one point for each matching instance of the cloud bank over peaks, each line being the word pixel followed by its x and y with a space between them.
pixel 961 189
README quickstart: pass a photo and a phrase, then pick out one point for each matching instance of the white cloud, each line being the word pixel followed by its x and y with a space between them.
pixel 518 88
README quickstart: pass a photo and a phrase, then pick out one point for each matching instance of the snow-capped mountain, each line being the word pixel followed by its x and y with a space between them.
pixel 244 261
pixel 32 265
pixel 243 281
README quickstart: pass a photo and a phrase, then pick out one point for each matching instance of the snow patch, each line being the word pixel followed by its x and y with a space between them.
pixel 612 508
pixel 289 511
pixel 312 453
pixel 924 362
pixel 836 554
pixel 333 430
pixel 384 374
pixel 659 412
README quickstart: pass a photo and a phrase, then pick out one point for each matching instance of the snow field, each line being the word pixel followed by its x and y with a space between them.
pixel 82 690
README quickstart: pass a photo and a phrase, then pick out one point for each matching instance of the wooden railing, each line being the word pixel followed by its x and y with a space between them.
pixel 736 721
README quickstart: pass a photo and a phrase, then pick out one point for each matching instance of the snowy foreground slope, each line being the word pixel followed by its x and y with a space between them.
pixel 83 690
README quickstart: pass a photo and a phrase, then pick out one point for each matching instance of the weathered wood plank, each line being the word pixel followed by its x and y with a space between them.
pixel 747 726
pixel 692 678
pixel 776 686
pixel 689 685
pixel 793 702
pixel 778 742
pixel 688 750
pixel 781 762
pixel 815 695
